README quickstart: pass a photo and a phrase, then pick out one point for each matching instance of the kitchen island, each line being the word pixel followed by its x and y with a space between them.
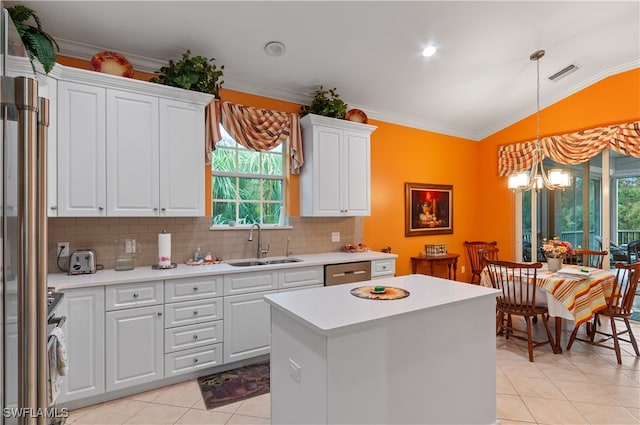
pixel 426 358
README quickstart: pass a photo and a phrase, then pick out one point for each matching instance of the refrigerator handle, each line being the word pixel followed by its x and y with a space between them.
pixel 42 243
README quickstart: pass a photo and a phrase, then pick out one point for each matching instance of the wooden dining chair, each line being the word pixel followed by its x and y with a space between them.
pixel 517 281
pixel 474 257
pixel 588 258
pixel 619 306
pixel 633 252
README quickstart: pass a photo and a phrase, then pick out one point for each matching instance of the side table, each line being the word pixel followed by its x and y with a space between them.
pixel 450 259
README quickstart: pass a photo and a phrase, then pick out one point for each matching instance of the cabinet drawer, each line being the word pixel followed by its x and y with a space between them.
pixel 192 336
pixel 192 288
pixel 190 312
pixel 130 295
pixel 383 267
pixel 301 276
pixel 190 360
pixel 240 283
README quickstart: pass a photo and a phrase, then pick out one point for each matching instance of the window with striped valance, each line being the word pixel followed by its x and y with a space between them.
pixel 259 130
pixel 571 149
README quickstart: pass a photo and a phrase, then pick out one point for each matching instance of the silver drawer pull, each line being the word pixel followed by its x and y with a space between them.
pixel 135 295
pixel 195 289
pixel 195 313
pixel 195 337
pixel 159 313
pixel 195 360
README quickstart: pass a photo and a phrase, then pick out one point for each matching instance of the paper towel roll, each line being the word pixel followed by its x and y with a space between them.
pixel 164 249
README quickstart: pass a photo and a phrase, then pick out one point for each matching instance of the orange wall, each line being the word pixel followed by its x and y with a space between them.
pixel 615 99
pixel 483 208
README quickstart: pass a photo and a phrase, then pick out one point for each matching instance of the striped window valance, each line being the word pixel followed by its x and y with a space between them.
pixel 254 128
pixel 571 149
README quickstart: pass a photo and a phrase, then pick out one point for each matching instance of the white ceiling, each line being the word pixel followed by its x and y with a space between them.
pixel 480 80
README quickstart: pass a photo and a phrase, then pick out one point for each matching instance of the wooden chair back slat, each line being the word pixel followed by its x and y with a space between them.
pixel 474 257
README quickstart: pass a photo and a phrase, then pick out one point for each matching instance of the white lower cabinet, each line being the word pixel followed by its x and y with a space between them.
pixel 84 335
pixel 193 324
pixel 247 326
pixel 135 348
pixel 383 268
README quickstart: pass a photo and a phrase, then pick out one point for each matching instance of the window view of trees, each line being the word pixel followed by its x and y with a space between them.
pixel 247 186
pixel 629 206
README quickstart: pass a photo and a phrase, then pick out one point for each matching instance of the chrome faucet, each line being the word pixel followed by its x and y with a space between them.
pixel 250 238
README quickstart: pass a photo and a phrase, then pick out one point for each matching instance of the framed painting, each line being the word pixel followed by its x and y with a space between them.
pixel 428 209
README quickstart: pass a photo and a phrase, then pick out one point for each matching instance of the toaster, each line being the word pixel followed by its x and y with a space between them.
pixel 83 261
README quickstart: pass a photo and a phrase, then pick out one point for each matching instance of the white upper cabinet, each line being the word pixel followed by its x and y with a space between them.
pixel 81 150
pixel 336 177
pixel 181 158
pixel 133 154
pixel 128 147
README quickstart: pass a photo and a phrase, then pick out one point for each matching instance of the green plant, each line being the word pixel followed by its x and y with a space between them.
pixel 326 103
pixel 192 73
pixel 39 44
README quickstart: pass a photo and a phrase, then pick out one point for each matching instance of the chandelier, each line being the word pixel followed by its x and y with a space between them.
pixel 536 178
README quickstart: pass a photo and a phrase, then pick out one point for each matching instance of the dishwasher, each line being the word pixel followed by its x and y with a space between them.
pixel 337 274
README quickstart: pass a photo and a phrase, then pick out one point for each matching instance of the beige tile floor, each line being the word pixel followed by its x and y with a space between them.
pixel 583 386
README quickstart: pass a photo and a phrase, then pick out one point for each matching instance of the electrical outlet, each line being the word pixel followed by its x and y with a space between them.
pixel 295 371
pixel 63 249
pixel 462 269
pixel 335 236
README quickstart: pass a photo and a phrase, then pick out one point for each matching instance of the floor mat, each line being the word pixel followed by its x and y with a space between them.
pixel 235 385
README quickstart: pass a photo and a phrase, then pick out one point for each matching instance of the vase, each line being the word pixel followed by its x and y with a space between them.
pixel 554 264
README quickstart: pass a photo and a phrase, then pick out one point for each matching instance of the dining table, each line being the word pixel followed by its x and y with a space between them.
pixel 576 298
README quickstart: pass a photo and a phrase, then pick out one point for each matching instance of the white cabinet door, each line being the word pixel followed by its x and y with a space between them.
pixel 84 334
pixel 357 174
pixel 247 326
pixel 181 159
pixel 81 150
pixel 48 89
pixel 132 154
pixel 135 351
pixel 328 171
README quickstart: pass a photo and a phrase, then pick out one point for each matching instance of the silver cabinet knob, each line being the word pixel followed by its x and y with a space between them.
pixel 195 313
pixel 54 207
pixel 195 337
pixel 195 360
pixel 155 208
pixel 195 289
pixel 135 295
pixel 159 313
pixel 100 208
pixel 163 209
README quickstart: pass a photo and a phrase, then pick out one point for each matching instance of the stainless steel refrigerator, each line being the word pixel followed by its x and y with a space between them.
pixel 23 237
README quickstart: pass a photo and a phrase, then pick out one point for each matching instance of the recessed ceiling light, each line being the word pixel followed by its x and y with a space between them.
pixel 275 48
pixel 429 51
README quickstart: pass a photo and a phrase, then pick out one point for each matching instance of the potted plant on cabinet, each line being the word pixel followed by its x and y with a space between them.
pixel 39 44
pixel 326 103
pixel 192 73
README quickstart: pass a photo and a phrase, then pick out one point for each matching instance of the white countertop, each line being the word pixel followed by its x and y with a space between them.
pixel 145 273
pixel 333 308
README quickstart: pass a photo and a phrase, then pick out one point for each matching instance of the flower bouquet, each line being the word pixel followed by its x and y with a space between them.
pixel 556 251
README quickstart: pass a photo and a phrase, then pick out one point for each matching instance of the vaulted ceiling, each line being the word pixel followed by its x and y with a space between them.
pixel 479 81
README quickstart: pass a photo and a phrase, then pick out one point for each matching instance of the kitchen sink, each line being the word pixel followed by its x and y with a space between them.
pixel 262 261
pixel 281 260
